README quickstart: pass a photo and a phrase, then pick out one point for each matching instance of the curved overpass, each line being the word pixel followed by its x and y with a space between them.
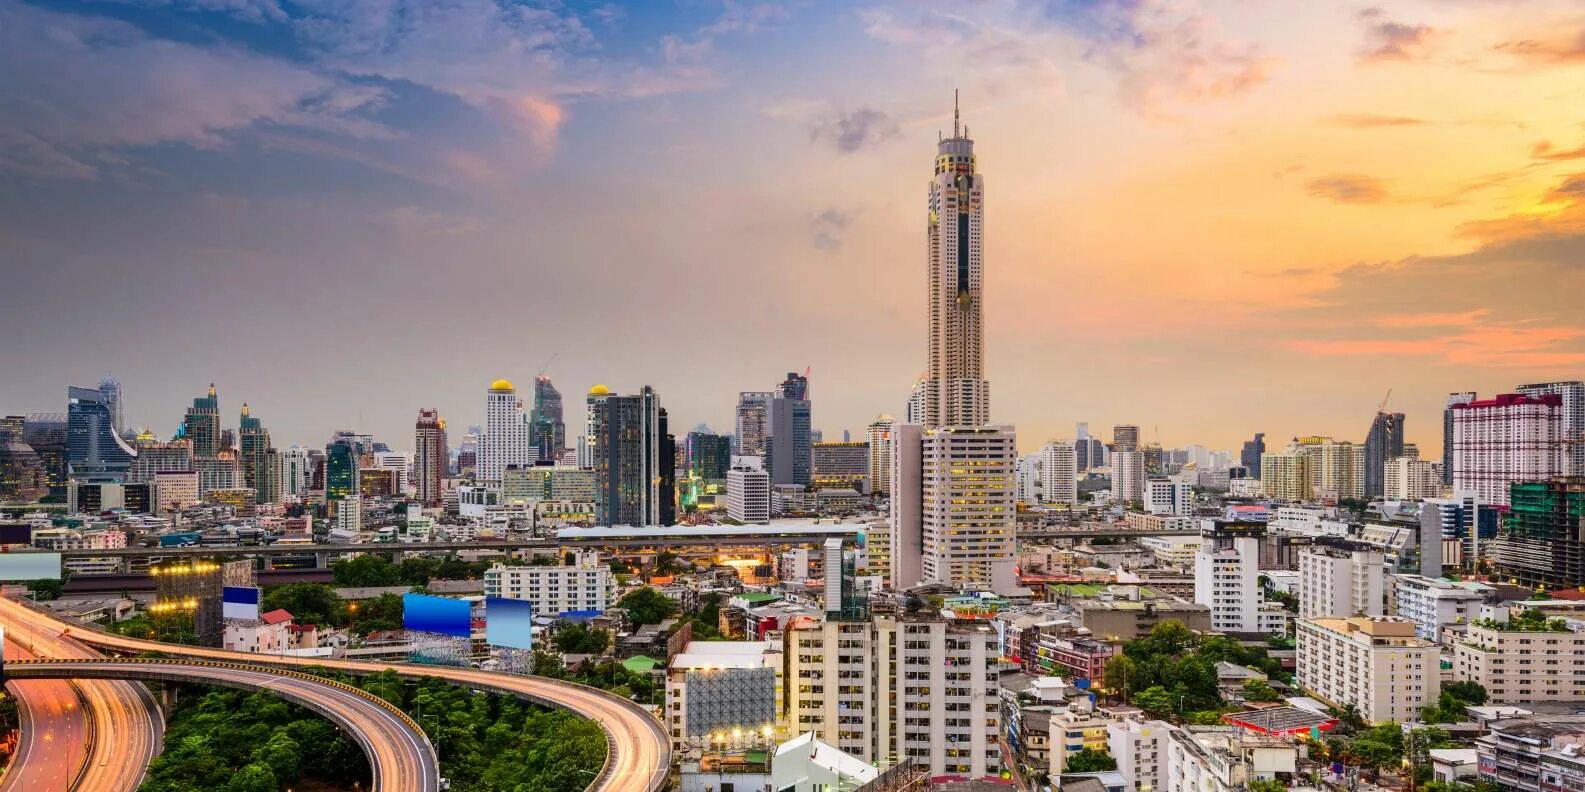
pixel 399 753
pixel 92 735
pixel 638 751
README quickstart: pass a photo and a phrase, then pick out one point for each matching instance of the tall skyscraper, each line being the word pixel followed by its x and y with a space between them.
pixel 969 505
pixel 753 422
pixel 625 446
pixel 1128 476
pixel 879 436
pixel 261 463
pixel 796 386
pixel 201 424
pixel 341 471
pixel 666 473
pixel 914 411
pixel 1506 440
pixel 506 440
pixel 1573 395
pixel 1249 457
pixel 94 451
pixel 709 456
pixel 789 448
pixel 956 393
pixel 1383 442
pixel 550 427
pixel 1059 472
pixel 1447 432
pixel 429 447
pixel 110 388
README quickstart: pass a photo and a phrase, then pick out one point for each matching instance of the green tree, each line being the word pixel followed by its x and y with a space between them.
pixel 309 603
pixel 1155 701
pixel 1266 785
pixel 281 754
pixel 1090 760
pixel 647 606
pixel 581 639
pixel 1259 690
pixel 366 570
pixel 254 777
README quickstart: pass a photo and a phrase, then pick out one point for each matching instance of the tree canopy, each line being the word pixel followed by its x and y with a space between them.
pixel 647 606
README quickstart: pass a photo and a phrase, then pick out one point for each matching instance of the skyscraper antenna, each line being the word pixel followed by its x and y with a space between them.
pixel 955 112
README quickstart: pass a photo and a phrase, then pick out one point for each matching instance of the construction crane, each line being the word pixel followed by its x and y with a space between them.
pixel 544 368
pixel 1381 408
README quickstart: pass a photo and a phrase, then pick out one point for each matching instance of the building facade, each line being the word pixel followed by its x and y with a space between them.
pixel 1507 439
pixel 1376 664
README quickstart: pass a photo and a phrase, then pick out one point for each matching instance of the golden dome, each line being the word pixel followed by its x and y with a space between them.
pixel 502 384
pixel 599 390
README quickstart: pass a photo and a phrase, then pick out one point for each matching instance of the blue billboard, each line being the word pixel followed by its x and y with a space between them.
pixel 30 566
pixel 424 613
pixel 508 623
pixel 239 602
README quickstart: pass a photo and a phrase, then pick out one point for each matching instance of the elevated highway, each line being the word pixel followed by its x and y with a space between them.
pixel 400 756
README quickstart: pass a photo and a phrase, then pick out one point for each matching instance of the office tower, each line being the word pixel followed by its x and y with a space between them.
pixel 666 472
pixel 429 448
pixel 788 448
pixel 753 422
pixel 1081 448
pixel 1285 476
pixel 966 503
pixel 956 393
pixel 341 471
pixel 201 424
pixel 1511 438
pixel 796 386
pixel 23 478
pixel 1338 577
pixel 261 463
pixel 624 445
pixel 12 428
pixel 45 433
pixel 155 457
pixel 550 427
pixel 1125 437
pixel 506 440
pixel 879 436
pixel 1541 542
pixel 110 388
pixel 838 465
pixel 914 411
pixel 1059 472
pixel 95 452
pixel 295 473
pixel 748 495
pixel 1573 395
pixel 1249 457
pixel 1383 442
pixel 709 455
pixel 1128 476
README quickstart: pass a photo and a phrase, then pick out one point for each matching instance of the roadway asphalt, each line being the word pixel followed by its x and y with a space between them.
pixel 126 724
pixel 399 753
pixel 54 732
pixel 638 750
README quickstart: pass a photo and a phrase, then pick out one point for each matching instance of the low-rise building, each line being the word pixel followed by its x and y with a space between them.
pixel 1533 753
pixel 584 585
pixel 1140 748
pixel 1377 664
pixel 716 688
pixel 1434 603
pixel 1225 759
pixel 270 634
pixel 1521 659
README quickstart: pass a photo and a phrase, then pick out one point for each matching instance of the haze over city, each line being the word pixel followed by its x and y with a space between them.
pixel 1202 217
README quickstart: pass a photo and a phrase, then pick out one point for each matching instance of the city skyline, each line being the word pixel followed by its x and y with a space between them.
pixel 1255 216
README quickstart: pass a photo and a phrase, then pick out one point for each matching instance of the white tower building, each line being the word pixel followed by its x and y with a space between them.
pixel 507 439
pixel 879 436
pixel 1510 438
pixel 1059 472
pixel 956 392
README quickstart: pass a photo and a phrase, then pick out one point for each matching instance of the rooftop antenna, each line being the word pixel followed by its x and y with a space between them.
pixel 955 113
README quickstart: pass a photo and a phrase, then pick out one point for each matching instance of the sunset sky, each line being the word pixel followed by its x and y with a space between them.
pixel 1206 218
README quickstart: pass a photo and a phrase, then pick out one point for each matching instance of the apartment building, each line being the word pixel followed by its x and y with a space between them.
pixel 1225 759
pixel 1520 661
pixel 1173 551
pixel 584 585
pixel 1433 603
pixel 1377 664
pixel 1140 748
pixel 1227 579
pixel 1531 754
pixel 1340 578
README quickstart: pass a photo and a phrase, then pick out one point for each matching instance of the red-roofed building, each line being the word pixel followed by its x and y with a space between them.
pixel 271 634
pixel 276 616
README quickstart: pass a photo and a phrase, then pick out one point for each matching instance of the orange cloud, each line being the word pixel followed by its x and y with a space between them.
pixel 1494 346
pixel 1348 188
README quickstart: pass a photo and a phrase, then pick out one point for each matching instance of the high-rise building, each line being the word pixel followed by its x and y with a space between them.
pixel 1285 476
pixel 1059 472
pixel 839 465
pixel 914 411
pixel 1383 442
pixel 709 455
pixel 1125 437
pixel 261 463
pixel 201 424
pixel 666 472
pixel 1167 496
pixel 748 495
pixel 341 471
pixel 625 444
pixel 1572 394
pixel 789 446
pixel 1227 579
pixel 23 478
pixel 549 423
pixel 110 387
pixel 1249 457
pixel 953 506
pixel 753 422
pixel 1508 439
pixel 1540 543
pixel 1128 476
pixel 1412 479
pixel 95 452
pixel 796 386
pixel 879 436
pixel 430 455
pixel 1464 397
pixel 1338 577
pixel 507 437
pixel 956 391
pixel 296 472
pixel 1375 663
pixel 45 433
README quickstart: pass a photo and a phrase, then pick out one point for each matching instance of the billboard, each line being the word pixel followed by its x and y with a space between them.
pixel 508 623
pixel 240 602
pixel 424 613
pixel 16 533
pixel 30 566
